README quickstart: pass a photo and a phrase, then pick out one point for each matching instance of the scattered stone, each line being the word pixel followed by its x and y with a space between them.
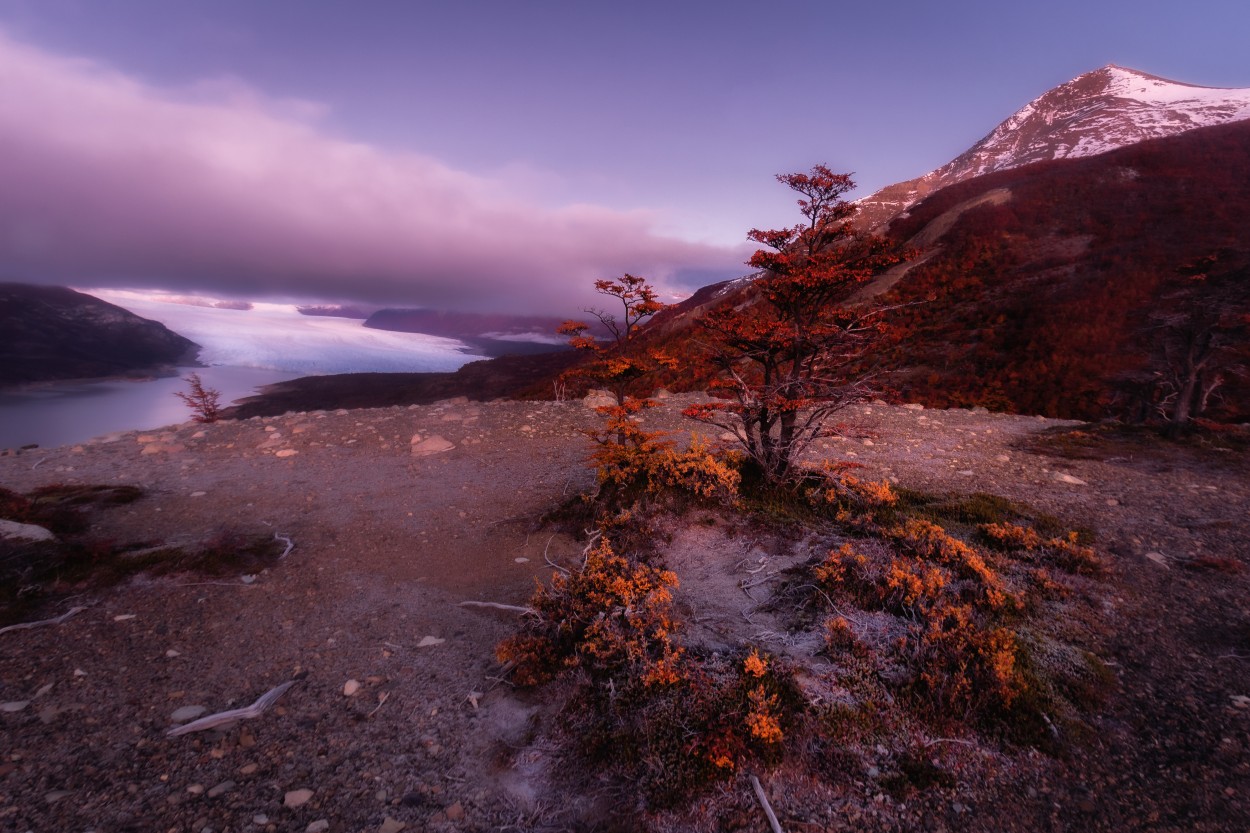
pixel 14 531
pixel 599 399
pixel 1112 502
pixel 521 560
pixel 1067 478
pixel 53 796
pixel 432 445
pixel 318 826
pixel 187 713
pixel 171 653
pixel 221 789
pixel 200 493
pixel 249 769
pixel 390 825
pixel 43 689
pixel 196 789
pixel 913 406
pixel 125 617
pixel 1003 458
pixel 296 798
pixel 1241 701
pixel 430 641
pixel 260 818
pixel 1158 558
pixel 455 812
pixel 350 688
pixel 14 706
pixel 286 452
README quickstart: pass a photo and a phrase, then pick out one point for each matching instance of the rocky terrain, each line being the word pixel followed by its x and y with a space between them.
pixel 398 718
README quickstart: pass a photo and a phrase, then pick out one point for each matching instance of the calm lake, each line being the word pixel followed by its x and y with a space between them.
pixel 63 414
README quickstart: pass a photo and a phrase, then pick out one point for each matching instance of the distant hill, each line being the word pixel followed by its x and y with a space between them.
pixel 1074 288
pixel 52 333
pixel 1062 288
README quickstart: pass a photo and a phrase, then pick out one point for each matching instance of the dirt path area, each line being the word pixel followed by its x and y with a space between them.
pixel 388 539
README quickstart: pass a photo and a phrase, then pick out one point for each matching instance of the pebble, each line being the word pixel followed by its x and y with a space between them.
pixel 318 826
pixel 221 789
pixel 1158 558
pixel 14 706
pixel 286 452
pixel 195 789
pixel 390 825
pixel 455 812
pixel 185 713
pixel 53 796
pixel 350 688
pixel 430 641
pixel 1067 478
pixel 296 798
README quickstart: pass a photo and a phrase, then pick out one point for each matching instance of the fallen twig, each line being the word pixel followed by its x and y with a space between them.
pixel 767 578
pixel 382 698
pixel 22 626
pixel 929 743
pixel 212 721
pixel 498 606
pixel 768 810
pixel 290 545
pixel 551 563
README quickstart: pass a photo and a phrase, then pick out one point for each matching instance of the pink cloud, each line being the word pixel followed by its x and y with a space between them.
pixel 111 181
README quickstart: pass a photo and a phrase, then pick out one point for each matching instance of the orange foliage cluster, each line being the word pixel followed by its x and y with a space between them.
pixel 612 618
pixel 965 658
pixel 674 722
pixel 632 462
pixel 1066 551
pixel 850 496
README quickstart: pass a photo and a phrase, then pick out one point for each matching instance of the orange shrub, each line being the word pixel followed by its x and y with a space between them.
pixel 612 618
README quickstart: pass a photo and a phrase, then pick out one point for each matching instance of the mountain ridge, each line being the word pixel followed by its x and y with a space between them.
pixel 1096 112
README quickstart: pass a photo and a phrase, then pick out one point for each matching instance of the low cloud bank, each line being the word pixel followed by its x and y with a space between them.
pixel 111 181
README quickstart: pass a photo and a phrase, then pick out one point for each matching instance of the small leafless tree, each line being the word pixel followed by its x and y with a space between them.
pixel 205 403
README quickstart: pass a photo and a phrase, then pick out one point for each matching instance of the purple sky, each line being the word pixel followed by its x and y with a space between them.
pixel 502 155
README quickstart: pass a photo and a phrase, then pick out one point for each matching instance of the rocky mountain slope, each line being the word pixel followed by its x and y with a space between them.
pixel 53 333
pixel 1108 108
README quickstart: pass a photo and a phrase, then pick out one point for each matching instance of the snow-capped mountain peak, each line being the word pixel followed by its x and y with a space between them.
pixel 1093 113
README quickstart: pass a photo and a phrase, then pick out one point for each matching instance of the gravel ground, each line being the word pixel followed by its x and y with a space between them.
pixel 388 541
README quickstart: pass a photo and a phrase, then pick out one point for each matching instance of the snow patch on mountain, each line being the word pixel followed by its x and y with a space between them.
pixel 1094 113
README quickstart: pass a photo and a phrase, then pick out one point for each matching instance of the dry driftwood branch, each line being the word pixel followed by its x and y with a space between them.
pixel 934 741
pixel 22 626
pixel 212 721
pixel 768 810
pixel 498 606
pixel 290 545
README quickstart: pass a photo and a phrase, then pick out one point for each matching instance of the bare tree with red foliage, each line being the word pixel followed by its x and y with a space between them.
pixel 787 361
pixel 616 364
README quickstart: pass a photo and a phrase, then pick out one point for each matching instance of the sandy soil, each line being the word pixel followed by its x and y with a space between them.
pixel 388 542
